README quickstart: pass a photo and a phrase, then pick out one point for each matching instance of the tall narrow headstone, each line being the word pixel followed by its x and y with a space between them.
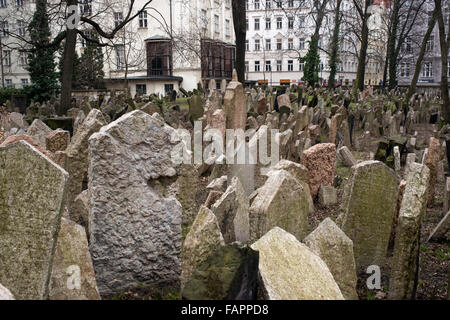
pixel 31 202
pixel 367 211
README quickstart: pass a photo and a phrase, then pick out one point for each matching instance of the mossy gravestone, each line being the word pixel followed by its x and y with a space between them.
pixel 367 211
pixel 31 199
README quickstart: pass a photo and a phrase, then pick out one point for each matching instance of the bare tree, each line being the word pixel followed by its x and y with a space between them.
pixel 444 39
pixel 240 31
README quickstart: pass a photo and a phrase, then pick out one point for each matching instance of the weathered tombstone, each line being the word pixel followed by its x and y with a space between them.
pixel 73 275
pixel 236 115
pixel 289 270
pixel 327 195
pixel 320 160
pixel 281 202
pixel 31 202
pixel 38 131
pixel 135 221
pixel 195 107
pixel 346 156
pixel 229 273
pixel 231 211
pixel 406 248
pixel 79 212
pixel 431 160
pixel 57 140
pixel 77 155
pixel 367 211
pixel 203 238
pixel 397 165
pixel 410 159
pixel 333 246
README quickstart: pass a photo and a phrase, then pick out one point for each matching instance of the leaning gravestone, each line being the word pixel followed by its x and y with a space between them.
pixel 412 210
pixel 73 275
pixel 367 211
pixel 289 270
pixel 135 221
pixel 336 250
pixel 31 203
pixel 77 154
pixel 231 211
pixel 280 202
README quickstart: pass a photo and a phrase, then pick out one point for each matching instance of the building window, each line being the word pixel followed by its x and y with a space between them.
pixel 8 83
pixel 427 69
pixel 301 66
pixel 268 24
pixel 279 23
pixel 408 47
pixel 21 28
pixel 159 58
pixel 85 7
pixel 404 69
pixel 279 44
pixel 118 18
pixel 168 88
pixel 257 45
pixel 257 66
pixel 268 66
pixel 227 28
pixel 143 19
pixel 2 3
pixel 301 43
pixel 279 4
pixel 247 45
pixel 204 21
pixel 291 3
pixel 19 3
pixel 7 58
pixel 83 42
pixel 4 28
pixel 246 24
pixel 227 4
pixel 247 69
pixel 23 58
pixel 302 20
pixel 290 65
pixel 247 5
pixel 216 23
pixel 256 23
pixel 256 4
pixel 290 44
pixel 430 44
pixel 120 57
pixel 141 89
pixel 268 45
pixel 279 65
pixel 302 3
pixel 24 82
pixel 291 22
pixel 268 4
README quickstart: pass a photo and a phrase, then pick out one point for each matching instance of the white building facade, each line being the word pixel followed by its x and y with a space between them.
pixel 157 52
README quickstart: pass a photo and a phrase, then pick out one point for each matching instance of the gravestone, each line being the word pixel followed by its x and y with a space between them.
pixel 38 131
pixel 431 160
pixel 367 211
pixel 320 160
pixel 336 249
pixel 289 270
pixel 412 210
pixel 135 220
pixel 231 211
pixel 57 140
pixel 281 202
pixel 442 230
pixel 73 275
pixel 31 203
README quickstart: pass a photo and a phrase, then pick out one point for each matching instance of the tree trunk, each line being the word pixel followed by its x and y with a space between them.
pixel 334 55
pixel 240 31
pixel 412 87
pixel 359 83
pixel 444 60
pixel 67 69
pixel 391 46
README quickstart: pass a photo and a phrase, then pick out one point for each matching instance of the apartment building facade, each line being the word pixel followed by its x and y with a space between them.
pixel 172 44
pixel 430 74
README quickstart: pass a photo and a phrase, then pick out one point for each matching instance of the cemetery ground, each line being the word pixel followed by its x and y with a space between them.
pixel 95 205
